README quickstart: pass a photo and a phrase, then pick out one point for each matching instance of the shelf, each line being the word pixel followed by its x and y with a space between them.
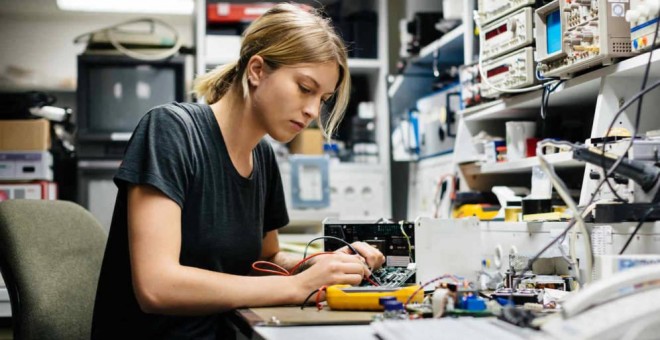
pixel 450 52
pixel 524 105
pixel 360 66
pixel 452 42
pixel 41 88
pixel 572 92
pixel 560 160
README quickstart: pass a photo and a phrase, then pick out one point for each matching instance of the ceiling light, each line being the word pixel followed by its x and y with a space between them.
pixel 128 6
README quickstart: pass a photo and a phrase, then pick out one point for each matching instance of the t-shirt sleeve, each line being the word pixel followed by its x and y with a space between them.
pixel 159 154
pixel 276 215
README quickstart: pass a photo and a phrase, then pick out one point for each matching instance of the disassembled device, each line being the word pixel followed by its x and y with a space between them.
pixel 395 240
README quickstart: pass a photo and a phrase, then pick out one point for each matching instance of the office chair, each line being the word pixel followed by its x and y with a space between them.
pixel 50 258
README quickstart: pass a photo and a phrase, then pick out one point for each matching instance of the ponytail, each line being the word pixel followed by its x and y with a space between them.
pixel 284 36
pixel 215 83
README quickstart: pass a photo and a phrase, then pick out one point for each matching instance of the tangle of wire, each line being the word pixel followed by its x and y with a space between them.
pixel 456 278
pixel 110 31
pixel 563 192
pixel 545 96
pixel 305 258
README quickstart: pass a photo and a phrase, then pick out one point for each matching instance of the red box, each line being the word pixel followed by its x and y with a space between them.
pixel 228 13
pixel 40 190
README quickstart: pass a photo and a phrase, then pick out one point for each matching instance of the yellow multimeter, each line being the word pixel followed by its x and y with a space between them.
pixel 346 297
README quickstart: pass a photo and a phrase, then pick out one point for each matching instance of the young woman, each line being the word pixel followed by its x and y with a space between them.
pixel 200 195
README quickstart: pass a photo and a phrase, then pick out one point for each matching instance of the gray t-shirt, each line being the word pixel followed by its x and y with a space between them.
pixel 179 149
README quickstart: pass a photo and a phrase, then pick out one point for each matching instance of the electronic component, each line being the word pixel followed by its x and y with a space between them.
pixel 608 265
pixel 393 276
pixel 544 281
pixel 519 296
pixel 572 36
pixel 345 297
pixel 643 19
pixel 395 240
pixel 514 70
pixel 490 10
pixel 639 167
pixel 507 34
pixel 625 212
pixel 470 80
pixel 26 165
pixel 43 190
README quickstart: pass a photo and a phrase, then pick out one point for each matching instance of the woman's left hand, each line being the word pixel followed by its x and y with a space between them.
pixel 372 256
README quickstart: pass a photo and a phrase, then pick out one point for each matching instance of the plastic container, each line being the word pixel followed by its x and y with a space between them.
pixel 394 311
pixel 332 151
pixel 383 299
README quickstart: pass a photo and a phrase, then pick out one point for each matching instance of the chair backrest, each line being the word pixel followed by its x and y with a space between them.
pixel 50 257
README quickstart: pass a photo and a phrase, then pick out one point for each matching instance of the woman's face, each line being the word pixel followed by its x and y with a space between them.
pixel 286 100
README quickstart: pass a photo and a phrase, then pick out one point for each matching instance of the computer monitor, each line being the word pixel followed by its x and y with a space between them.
pixel 549 28
pixel 114 92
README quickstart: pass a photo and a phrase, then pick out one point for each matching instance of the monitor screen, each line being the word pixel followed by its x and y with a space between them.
pixel 553 32
pixel 120 95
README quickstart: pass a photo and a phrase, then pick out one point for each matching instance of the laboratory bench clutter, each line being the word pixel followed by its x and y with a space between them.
pixel 507 166
pixel 532 171
pixel 531 154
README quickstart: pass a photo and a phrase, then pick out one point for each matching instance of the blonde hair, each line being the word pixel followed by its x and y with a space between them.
pixel 285 35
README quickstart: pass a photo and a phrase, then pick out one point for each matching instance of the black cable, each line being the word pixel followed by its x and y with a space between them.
pixel 616 115
pixel 308 297
pixel 331 238
pixel 639 226
pixel 545 96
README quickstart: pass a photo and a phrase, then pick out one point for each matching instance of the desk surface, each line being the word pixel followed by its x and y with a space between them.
pixel 291 323
pixel 309 323
pixel 295 316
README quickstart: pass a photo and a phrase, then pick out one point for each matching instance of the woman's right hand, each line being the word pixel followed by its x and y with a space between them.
pixel 332 269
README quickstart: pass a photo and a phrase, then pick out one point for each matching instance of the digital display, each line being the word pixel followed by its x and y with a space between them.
pixel 495 32
pixel 553 32
pixel 495 71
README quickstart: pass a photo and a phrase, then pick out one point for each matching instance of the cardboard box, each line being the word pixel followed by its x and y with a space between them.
pixel 24 135
pixel 308 142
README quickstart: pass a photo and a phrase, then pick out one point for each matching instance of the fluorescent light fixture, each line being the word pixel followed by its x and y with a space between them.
pixel 129 6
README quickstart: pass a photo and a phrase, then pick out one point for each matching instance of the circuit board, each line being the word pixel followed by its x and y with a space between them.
pixel 393 276
pixel 395 240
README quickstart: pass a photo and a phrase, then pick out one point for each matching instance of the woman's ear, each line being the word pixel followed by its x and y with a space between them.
pixel 255 70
